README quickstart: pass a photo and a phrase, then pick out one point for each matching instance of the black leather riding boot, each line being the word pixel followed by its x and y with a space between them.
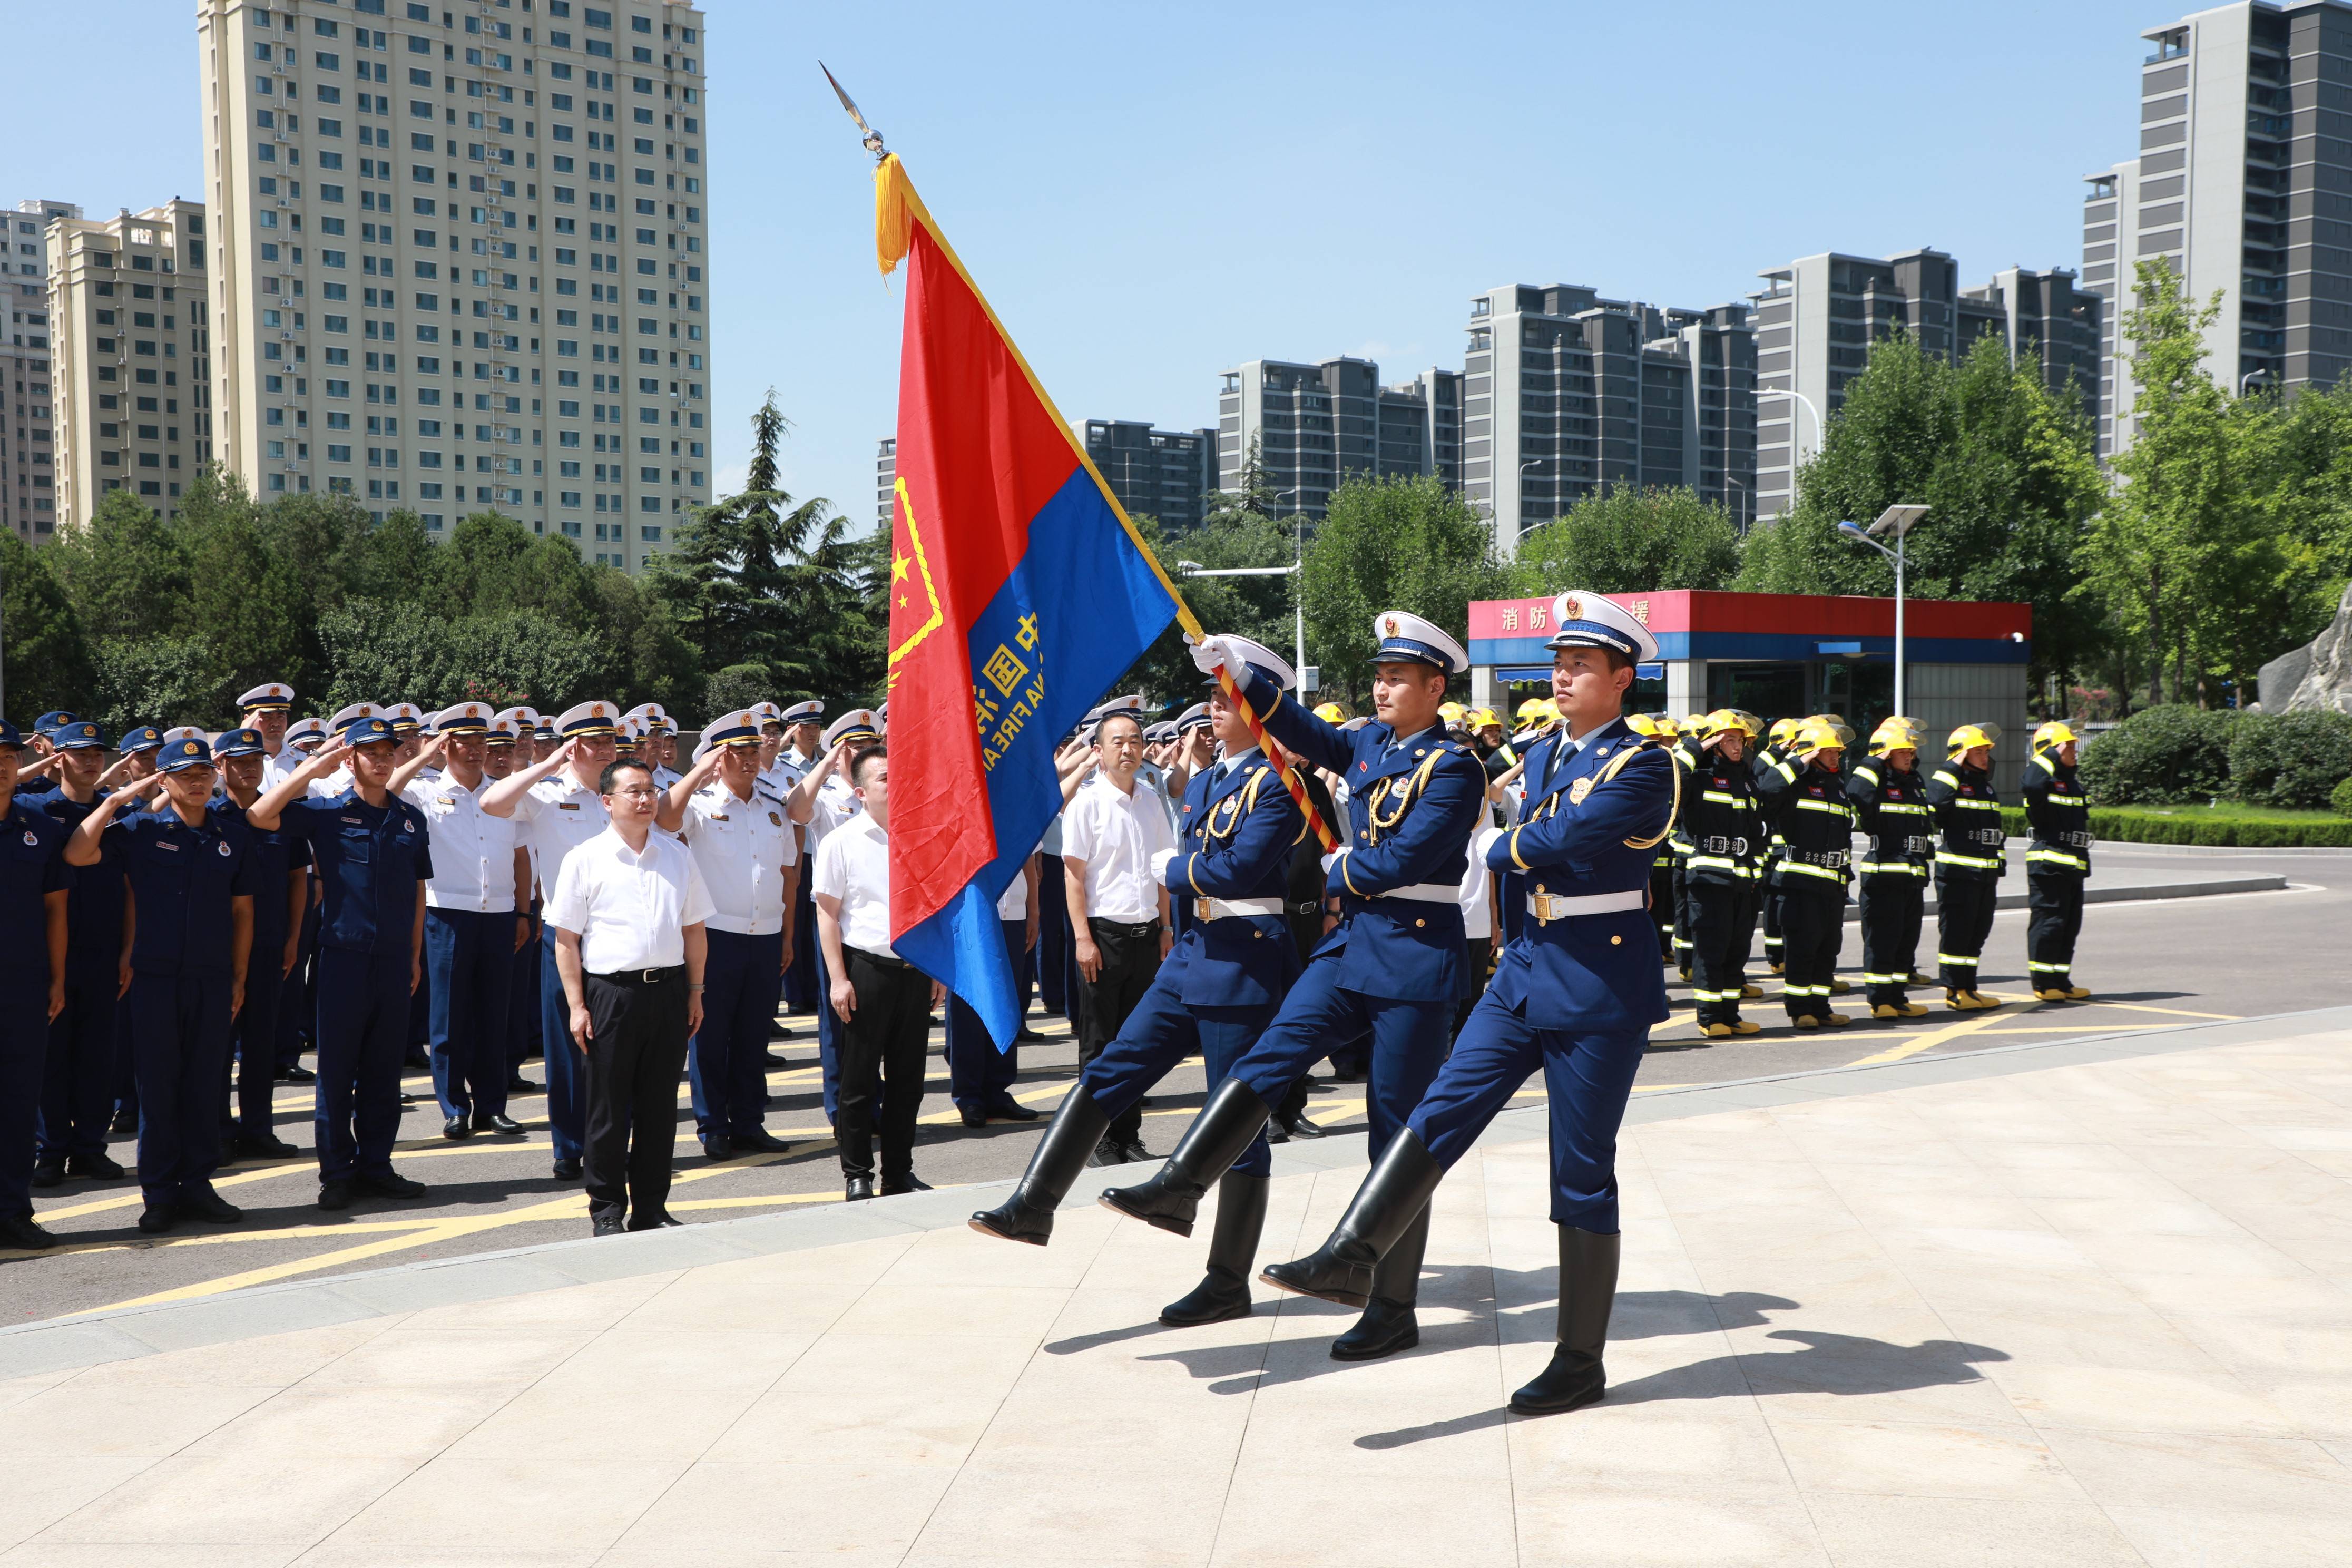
pixel 1389 1324
pixel 1391 1198
pixel 1218 1136
pixel 1224 1292
pixel 1028 1214
pixel 1588 1287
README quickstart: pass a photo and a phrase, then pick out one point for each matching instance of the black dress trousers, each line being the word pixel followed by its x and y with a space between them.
pixel 637 1049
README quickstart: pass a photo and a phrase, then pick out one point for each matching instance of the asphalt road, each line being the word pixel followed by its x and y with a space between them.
pixel 2152 963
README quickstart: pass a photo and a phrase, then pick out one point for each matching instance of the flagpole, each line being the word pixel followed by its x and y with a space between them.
pixel 884 159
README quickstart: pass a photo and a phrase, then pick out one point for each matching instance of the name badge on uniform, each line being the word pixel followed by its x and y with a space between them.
pixel 567 805
pixel 167 844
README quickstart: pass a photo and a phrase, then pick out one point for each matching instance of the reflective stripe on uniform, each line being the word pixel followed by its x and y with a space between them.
pixel 1977 805
pixel 2058 857
pixel 1870 978
pixel 1824 872
pixel 2057 799
pixel 1891 867
pixel 1974 862
pixel 1965 960
pixel 1838 807
pixel 1722 795
pixel 1946 776
pixel 2050 968
pixel 1907 809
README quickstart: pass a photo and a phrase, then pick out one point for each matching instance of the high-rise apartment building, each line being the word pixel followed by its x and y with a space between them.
pixel 461 258
pixel 2243 182
pixel 2049 314
pixel 886 482
pixel 133 356
pixel 1168 474
pixel 1566 395
pixel 1295 431
pixel 29 471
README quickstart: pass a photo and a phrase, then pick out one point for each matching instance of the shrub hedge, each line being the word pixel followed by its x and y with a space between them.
pixel 2125 826
pixel 2172 755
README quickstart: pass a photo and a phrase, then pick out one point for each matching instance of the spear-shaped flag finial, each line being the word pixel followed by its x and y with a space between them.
pixel 873 137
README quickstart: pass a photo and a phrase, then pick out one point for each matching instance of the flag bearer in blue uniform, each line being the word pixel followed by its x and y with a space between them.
pixel 749 856
pixel 280 865
pixel 77 1087
pixel 369 846
pixel 34 881
pixel 1394 968
pixel 1217 993
pixel 1576 995
pixel 2057 864
pixel 476 917
pixel 190 869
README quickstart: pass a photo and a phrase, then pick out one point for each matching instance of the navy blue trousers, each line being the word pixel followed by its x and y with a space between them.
pixel 181 1024
pixel 1057 960
pixel 1588 1077
pixel 522 1002
pixel 76 1096
pixel 978 1074
pixel 126 1064
pixel 1162 1031
pixel 297 1009
pixel 24 1050
pixel 1320 1015
pixel 800 980
pixel 253 1035
pixel 828 1041
pixel 469 970
pixel 361 1034
pixel 567 1074
pixel 727 1061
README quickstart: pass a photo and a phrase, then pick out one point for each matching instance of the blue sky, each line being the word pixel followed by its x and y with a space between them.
pixel 1150 195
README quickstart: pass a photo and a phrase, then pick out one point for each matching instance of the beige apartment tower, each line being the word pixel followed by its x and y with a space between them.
pixel 132 357
pixel 461 258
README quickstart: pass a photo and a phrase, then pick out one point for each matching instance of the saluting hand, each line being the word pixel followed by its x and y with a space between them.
pixel 324 760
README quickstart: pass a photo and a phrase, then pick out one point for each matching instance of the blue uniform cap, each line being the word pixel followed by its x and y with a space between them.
pixel 368 731
pixel 182 755
pixel 51 720
pixel 9 737
pixel 77 734
pixel 145 738
pixel 239 743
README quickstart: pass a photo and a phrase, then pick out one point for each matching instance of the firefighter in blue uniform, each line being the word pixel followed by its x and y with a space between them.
pixel 1395 966
pixel 1575 994
pixel 369 848
pixel 78 1088
pixel 1889 806
pixel 190 869
pixel 280 865
pixel 1215 993
pixel 140 746
pixel 2057 863
pixel 1970 862
pixel 34 883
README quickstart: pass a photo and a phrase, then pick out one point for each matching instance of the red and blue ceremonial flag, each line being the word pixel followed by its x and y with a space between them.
pixel 1019 593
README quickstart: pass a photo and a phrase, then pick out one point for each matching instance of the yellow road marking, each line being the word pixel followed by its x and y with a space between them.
pixel 1918 1042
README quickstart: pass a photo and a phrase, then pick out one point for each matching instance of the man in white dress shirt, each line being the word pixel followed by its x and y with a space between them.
pixel 749 856
pixel 884 1003
pixel 628 909
pixel 476 916
pixel 557 806
pixel 1119 911
pixel 822 801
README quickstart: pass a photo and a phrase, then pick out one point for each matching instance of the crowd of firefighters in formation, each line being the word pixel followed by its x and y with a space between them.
pixel 1779 824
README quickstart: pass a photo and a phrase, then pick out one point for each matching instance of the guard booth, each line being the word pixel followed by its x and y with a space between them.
pixel 1785 654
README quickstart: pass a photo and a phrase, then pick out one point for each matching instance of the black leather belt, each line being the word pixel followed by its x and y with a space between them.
pixel 883 959
pixel 1821 857
pixel 1719 844
pixel 1123 928
pixel 642 977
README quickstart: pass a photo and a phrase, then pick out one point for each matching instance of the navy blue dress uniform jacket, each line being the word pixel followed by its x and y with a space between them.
pixel 1235 837
pixel 184 878
pixel 371 865
pixel 1414 810
pixel 1591 826
pixel 94 912
pixel 32 866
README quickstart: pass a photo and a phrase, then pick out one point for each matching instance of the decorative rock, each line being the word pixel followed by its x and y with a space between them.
pixel 2326 683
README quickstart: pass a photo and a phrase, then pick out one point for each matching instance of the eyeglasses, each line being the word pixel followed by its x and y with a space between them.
pixel 642 791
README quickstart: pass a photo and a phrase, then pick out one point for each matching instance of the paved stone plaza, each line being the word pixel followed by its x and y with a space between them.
pixel 2083 1304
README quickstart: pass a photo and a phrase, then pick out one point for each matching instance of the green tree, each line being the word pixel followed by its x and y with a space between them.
pixel 253 616
pixel 1390 545
pixel 47 655
pixel 413 652
pixel 2007 470
pixel 1630 540
pixel 2174 534
pixel 1256 607
pixel 126 569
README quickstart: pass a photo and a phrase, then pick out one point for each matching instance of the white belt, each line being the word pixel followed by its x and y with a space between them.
pixel 1224 908
pixel 1425 892
pixel 1548 907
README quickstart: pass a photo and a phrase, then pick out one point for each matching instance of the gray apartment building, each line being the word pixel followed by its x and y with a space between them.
pixel 1293 431
pixel 1567 393
pixel 28 455
pixel 1166 474
pixel 1821 315
pixel 885 480
pixel 2243 182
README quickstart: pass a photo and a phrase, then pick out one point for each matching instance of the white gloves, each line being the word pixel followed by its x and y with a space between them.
pixel 1328 859
pixel 1212 653
pixel 1161 859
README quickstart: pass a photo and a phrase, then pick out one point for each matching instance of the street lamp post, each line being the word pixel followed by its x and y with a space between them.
pixel 1896 520
pixel 1299 594
pixel 2249 377
pixel 1821 432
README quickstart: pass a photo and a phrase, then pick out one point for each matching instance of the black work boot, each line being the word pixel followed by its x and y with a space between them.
pixel 1028 1214
pixel 1389 1324
pixel 1218 1136
pixel 1225 1291
pixel 1588 1287
pixel 1393 1197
